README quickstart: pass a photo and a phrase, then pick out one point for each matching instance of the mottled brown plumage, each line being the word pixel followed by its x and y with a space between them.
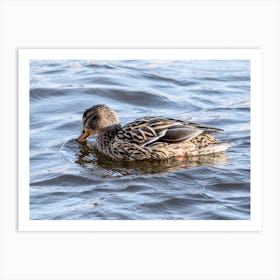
pixel 152 138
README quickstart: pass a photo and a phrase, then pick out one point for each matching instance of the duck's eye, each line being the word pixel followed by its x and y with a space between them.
pixel 91 117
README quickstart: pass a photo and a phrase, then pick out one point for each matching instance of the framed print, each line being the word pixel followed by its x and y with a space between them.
pixel 176 140
pixel 202 73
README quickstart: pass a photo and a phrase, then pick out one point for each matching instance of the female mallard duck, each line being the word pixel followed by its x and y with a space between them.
pixel 152 138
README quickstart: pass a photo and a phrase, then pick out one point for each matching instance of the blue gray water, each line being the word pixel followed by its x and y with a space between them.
pixel 73 181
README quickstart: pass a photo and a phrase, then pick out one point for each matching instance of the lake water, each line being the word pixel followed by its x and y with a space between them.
pixel 73 181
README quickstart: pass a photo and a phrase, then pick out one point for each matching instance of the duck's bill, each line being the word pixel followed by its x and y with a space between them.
pixel 85 134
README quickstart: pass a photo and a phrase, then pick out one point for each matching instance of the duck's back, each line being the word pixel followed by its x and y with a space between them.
pixel 160 138
pixel 148 130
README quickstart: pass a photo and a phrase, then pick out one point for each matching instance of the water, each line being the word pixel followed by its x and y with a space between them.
pixel 73 181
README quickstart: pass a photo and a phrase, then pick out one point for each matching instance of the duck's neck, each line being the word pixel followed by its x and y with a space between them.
pixel 107 135
pixel 111 131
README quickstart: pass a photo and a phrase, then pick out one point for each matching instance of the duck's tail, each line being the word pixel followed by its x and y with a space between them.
pixel 214 148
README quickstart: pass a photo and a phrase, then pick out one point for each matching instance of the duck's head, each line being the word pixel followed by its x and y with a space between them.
pixel 97 120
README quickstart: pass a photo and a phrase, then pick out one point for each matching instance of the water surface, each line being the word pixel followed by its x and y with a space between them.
pixel 73 181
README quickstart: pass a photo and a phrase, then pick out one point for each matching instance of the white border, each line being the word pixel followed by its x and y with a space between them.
pixel 24 57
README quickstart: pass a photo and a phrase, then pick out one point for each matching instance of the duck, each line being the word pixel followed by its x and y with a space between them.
pixel 148 138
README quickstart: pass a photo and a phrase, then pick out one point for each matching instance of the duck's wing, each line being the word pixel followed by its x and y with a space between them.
pixel 205 128
pixel 146 131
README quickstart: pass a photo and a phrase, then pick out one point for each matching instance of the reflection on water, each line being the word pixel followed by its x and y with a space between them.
pixel 73 181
